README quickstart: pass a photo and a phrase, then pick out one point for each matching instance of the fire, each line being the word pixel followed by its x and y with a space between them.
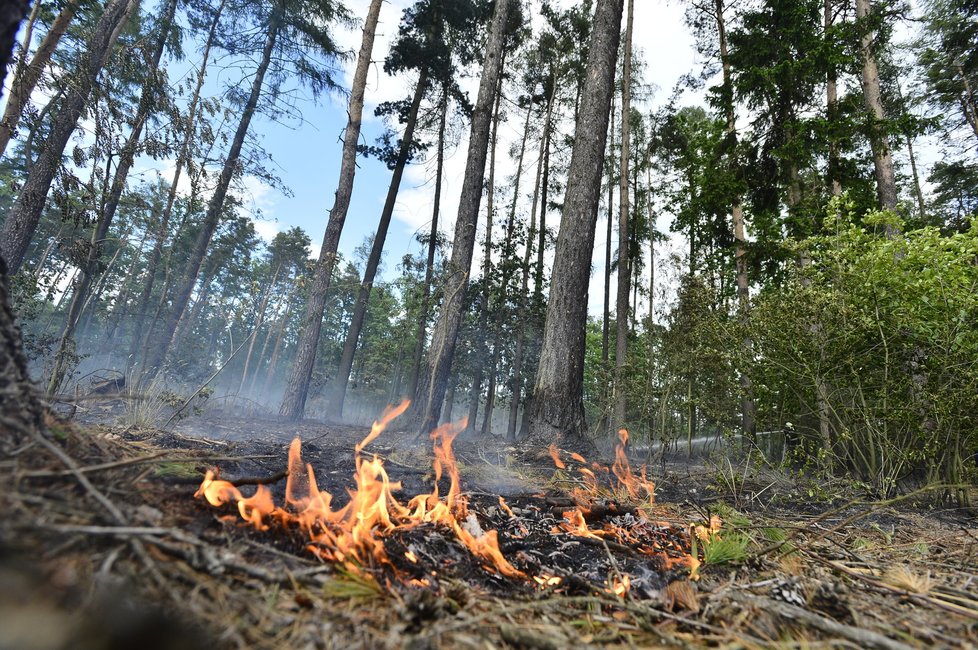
pixel 544 581
pixel 353 535
pixel 555 454
pixel 620 585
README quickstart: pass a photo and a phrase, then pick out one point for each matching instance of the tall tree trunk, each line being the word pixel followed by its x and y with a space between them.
pixel 624 261
pixel 886 188
pixel 558 398
pixel 740 234
pixel 28 73
pixel 917 192
pixel 520 351
pixel 90 267
pixel 259 321
pixel 25 214
pixel 139 338
pixel 832 106
pixel 279 338
pixel 215 208
pixel 606 384
pixel 507 274
pixel 294 400
pixel 431 389
pixel 338 395
pixel 429 269
pixel 483 344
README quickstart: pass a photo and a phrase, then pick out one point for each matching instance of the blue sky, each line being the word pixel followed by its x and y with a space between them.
pixel 308 155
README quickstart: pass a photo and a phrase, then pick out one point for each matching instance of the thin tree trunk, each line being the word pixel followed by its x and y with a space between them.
pixel 606 422
pixel 259 321
pixel 215 208
pixel 431 390
pixel 480 360
pixel 279 337
pixel 338 395
pixel 886 188
pixel 520 351
pixel 25 214
pixel 139 340
pixel 429 269
pixel 294 401
pixel 507 274
pixel 832 108
pixel 29 73
pixel 740 234
pixel 558 398
pixel 624 261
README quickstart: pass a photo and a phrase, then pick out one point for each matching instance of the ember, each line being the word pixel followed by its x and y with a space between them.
pixel 354 535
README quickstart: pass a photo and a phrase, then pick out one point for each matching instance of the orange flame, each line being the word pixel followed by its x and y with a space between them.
pixel 555 454
pixel 622 470
pixel 353 535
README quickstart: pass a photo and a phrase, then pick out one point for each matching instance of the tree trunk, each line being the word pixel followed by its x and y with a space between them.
pixel 606 424
pixel 832 108
pixel 338 395
pixel 886 189
pixel 20 410
pixel 294 400
pixel 90 267
pixel 139 340
pixel 25 214
pixel 507 274
pixel 429 269
pixel 624 261
pixel 431 389
pixel 29 73
pixel 279 337
pixel 483 345
pixel 259 321
pixel 520 352
pixel 215 208
pixel 740 234
pixel 558 398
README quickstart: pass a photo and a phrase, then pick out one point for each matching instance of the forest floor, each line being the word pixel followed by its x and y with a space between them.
pixel 103 545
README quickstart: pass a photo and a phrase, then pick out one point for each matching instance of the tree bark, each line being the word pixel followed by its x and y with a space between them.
pixel 29 73
pixel 215 208
pixel 432 386
pixel 886 188
pixel 376 252
pixel 297 389
pixel 429 269
pixel 20 410
pixel 624 261
pixel 483 345
pixel 558 398
pixel 25 214
pixel 606 384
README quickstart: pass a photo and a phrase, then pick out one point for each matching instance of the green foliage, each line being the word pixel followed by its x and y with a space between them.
pixel 886 329
pixel 725 548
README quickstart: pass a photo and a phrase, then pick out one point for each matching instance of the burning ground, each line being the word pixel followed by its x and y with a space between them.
pixel 357 538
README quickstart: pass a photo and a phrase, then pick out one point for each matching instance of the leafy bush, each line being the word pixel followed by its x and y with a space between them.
pixel 871 349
